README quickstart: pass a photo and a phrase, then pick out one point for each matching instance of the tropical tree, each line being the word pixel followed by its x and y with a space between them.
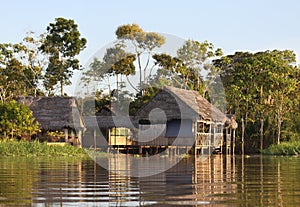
pixel 62 44
pixel 186 69
pixel 143 44
pixel 259 88
pixel 16 75
pixel 197 56
pixel 34 60
pixel 118 62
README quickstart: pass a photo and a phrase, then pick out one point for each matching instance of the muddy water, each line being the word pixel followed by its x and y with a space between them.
pixel 208 181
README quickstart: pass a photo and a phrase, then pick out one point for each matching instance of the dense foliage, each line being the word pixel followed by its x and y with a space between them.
pixel 62 43
pixel 16 120
pixel 284 148
pixel 261 89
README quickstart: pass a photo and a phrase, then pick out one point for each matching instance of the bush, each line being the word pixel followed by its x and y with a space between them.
pixel 285 148
pixel 16 120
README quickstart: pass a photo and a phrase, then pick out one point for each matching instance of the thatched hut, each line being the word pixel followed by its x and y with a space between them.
pixel 182 118
pixel 107 128
pixel 57 114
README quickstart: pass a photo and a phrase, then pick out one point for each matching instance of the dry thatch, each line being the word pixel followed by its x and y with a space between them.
pixel 109 117
pixel 174 103
pixel 54 113
pixel 109 121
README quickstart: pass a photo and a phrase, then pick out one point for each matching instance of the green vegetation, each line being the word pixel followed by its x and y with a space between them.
pixel 261 89
pixel 11 147
pixel 62 43
pixel 16 120
pixel 284 148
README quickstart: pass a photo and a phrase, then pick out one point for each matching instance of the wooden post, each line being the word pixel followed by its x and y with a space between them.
pixel 95 139
pixel 233 141
pixel 226 141
pixel 108 137
pixel 115 136
pixel 261 134
pixel 222 143
pixel 196 135
pixel 66 131
pixel 72 136
pixel 80 138
pixel 209 140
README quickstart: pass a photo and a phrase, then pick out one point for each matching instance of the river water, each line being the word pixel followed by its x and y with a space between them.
pixel 215 180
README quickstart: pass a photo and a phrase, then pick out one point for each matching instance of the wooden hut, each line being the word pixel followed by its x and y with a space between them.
pixel 108 129
pixel 57 114
pixel 178 117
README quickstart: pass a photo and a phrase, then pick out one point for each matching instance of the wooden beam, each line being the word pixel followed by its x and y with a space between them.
pixel 80 138
pixel 66 131
pixel 95 138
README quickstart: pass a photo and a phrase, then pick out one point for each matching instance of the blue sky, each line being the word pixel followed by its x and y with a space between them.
pixel 231 25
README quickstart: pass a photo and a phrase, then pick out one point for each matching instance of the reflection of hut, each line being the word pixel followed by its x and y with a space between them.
pixel 57 114
pixel 108 129
pixel 178 117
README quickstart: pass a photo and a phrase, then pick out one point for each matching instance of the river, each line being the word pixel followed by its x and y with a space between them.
pixel 216 180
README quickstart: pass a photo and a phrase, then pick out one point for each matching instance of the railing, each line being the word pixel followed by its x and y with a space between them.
pixel 208 139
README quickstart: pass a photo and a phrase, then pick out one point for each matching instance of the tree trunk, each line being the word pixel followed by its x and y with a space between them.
pixel 278 127
pixel 261 134
pixel 140 69
pixel 117 78
pixel 108 85
pixel 279 121
pixel 61 88
pixel 243 138
pixel 261 121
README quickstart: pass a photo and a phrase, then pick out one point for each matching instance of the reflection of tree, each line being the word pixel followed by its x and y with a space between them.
pixel 254 181
pixel 17 177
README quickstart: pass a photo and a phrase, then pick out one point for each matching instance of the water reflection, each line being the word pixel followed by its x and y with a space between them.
pixel 210 181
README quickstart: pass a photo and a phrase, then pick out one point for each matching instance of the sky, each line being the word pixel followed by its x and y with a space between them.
pixel 233 25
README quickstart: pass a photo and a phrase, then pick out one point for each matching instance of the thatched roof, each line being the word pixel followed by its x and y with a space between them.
pixel 54 113
pixel 174 103
pixel 109 121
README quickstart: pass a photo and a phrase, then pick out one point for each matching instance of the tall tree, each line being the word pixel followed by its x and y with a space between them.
pixel 143 43
pixel 62 44
pixel 119 63
pixel 258 87
pixel 282 87
pixel 197 56
pixel 186 69
pixel 16 76
pixel 116 62
pixel 34 60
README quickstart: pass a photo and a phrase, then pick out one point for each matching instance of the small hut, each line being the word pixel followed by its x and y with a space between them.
pixel 178 117
pixel 108 129
pixel 57 114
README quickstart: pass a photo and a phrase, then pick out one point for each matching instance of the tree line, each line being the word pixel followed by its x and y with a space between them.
pixel 36 66
pixel 261 89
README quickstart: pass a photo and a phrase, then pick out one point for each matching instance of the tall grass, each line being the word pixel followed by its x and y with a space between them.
pixel 285 148
pixel 24 148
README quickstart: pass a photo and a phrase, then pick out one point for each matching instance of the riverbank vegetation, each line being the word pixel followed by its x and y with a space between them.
pixel 261 89
pixel 12 147
pixel 284 148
